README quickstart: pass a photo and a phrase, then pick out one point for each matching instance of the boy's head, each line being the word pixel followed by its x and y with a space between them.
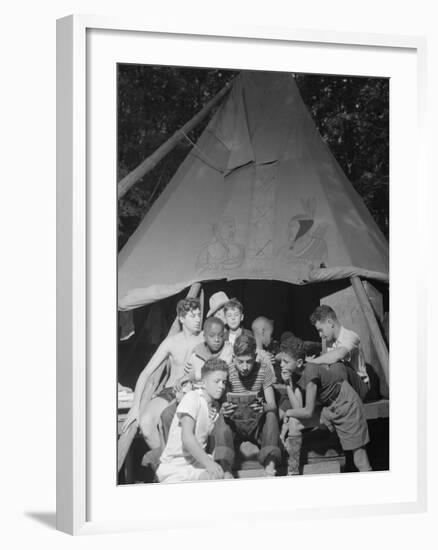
pixel 262 328
pixel 214 374
pixel 214 334
pixel 233 311
pixel 244 354
pixel 216 305
pixel 325 321
pixel 188 312
pixel 292 356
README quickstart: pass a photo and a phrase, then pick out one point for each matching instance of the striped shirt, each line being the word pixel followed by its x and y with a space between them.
pixel 260 378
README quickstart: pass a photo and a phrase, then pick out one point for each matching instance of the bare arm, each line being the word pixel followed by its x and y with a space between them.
pixel 295 396
pixel 307 410
pixel 332 356
pixel 270 404
pixel 191 445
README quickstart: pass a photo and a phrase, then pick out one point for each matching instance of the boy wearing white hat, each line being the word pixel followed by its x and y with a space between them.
pixel 216 305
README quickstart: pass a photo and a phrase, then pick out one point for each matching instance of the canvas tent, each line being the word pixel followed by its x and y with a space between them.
pixel 260 196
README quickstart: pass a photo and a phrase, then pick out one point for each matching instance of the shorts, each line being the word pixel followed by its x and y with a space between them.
pixel 169 394
pixel 346 416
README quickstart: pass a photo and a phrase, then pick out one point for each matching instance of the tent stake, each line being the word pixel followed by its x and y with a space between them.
pixel 370 317
pixel 126 438
pixel 148 164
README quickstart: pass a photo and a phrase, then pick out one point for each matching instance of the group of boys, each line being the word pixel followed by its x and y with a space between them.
pixel 221 392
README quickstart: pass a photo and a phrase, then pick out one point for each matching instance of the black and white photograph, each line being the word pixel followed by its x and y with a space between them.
pixel 253 274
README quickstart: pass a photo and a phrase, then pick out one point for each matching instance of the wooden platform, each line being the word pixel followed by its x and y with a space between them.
pixel 320 455
pixel 377 409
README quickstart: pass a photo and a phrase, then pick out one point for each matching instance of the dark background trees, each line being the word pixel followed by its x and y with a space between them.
pixel 351 113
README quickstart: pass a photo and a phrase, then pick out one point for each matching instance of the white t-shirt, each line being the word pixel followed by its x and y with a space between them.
pixel 349 340
pixel 195 405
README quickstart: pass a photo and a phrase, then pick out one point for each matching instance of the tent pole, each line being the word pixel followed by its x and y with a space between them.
pixel 149 163
pixel 370 317
pixel 126 438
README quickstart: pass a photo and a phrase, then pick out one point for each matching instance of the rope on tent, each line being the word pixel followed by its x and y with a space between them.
pixel 202 156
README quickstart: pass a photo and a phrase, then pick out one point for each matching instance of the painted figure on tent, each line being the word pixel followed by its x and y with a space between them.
pixel 221 252
pixel 305 237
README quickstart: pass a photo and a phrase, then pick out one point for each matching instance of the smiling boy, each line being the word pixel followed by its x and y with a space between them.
pixel 185 458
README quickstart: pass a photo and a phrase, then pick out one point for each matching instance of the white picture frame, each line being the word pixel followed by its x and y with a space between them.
pixel 78 234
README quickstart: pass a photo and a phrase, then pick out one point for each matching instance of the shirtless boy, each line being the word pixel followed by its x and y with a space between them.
pixel 177 348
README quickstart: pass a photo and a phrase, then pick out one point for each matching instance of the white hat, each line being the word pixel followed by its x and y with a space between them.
pixel 216 302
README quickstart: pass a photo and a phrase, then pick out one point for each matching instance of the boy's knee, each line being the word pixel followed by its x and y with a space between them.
pixel 147 424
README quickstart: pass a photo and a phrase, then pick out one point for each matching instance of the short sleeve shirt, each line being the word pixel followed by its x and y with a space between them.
pixel 260 378
pixel 326 380
pixel 350 341
pixel 195 405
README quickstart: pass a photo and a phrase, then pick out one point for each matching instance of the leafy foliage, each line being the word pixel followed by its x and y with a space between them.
pixel 352 116
pixel 351 113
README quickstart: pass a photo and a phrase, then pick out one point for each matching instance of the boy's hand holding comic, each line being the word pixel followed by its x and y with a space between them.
pixel 257 406
pixel 227 409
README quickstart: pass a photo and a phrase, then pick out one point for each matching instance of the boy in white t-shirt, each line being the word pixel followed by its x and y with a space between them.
pixel 184 458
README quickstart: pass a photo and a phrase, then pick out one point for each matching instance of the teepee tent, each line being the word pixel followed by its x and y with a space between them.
pixel 260 196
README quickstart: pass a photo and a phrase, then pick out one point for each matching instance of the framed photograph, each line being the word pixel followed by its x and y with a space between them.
pixel 233 222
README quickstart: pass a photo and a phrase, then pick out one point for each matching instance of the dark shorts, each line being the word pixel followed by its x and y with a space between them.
pixel 346 416
pixel 169 394
pixel 283 403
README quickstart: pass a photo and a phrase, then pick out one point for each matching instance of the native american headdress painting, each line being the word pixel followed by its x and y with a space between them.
pixel 305 236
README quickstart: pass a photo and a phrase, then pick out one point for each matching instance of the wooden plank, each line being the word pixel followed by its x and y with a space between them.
pixel 126 438
pixel 148 164
pixel 376 335
pixel 328 467
pixel 377 409
pixel 250 469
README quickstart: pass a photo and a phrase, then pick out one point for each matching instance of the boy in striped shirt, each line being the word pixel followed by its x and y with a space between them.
pixel 258 423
